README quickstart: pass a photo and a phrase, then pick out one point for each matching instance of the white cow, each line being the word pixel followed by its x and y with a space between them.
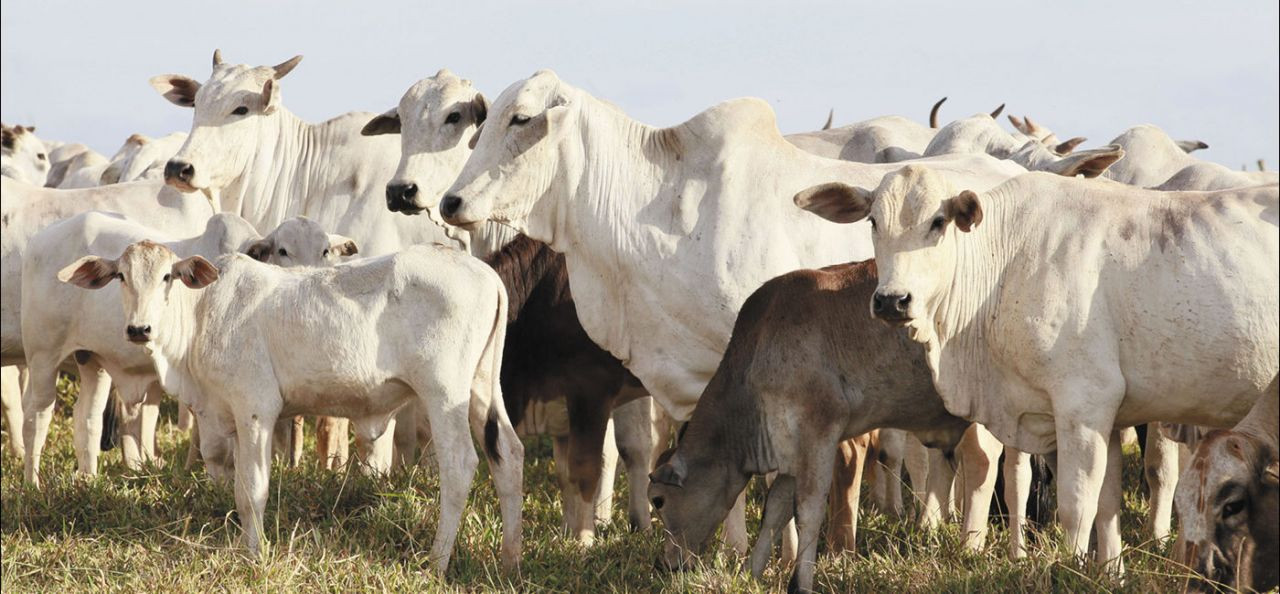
pixel 257 159
pixel 1052 322
pixel 1155 159
pixel 60 158
pixel 148 161
pixel 981 134
pixel 1212 176
pixel 60 321
pixel 426 324
pixel 886 139
pixel 23 156
pixel 84 170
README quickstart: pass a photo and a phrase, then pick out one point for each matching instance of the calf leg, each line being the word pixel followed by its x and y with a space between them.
pixel 253 472
pixel 849 463
pixel 735 525
pixel 150 412
pixel 37 411
pixel 11 400
pixel 937 492
pixel 1017 488
pixel 813 482
pixel 980 454
pixel 506 466
pixel 892 451
pixel 779 509
pixel 634 433
pixel 1161 468
pixel 217 444
pixel 95 386
pixel 131 399
pixel 576 520
pixel 332 441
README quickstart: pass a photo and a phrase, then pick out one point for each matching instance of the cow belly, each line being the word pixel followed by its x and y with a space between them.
pixel 346 399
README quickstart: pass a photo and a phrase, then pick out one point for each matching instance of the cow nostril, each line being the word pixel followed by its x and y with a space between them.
pixel 877 302
pixel 450 205
pixel 187 172
pixel 410 191
pixel 904 302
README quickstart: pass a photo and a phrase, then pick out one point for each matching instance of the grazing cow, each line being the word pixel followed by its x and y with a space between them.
pixel 1227 503
pixel 425 324
pixel 1051 322
pixel 60 321
pixel 257 159
pixel 981 134
pixel 23 156
pixel 806 369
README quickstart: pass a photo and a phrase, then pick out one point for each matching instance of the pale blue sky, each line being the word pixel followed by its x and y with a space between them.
pixel 1209 71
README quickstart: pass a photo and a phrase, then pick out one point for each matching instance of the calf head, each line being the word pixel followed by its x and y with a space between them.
pixel 150 276
pixel 437 119
pixel 233 111
pixel 25 157
pixel 1227 508
pixel 528 142
pixel 914 215
pixel 300 241
pixel 692 492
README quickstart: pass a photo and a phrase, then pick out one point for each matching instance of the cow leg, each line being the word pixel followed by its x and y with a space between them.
pixel 131 397
pixel 375 440
pixel 406 435
pixel 790 541
pixel 588 424
pixel 1162 469
pixel 735 525
pixel 916 460
pixel 217 444
pixel 505 452
pixel 1109 507
pixel 253 472
pixel 150 417
pixel 603 508
pixel 813 482
pixel 37 411
pixel 193 449
pixel 576 519
pixel 95 386
pixel 634 434
pixel 11 400
pixel 331 441
pixel 1017 488
pixel 937 489
pixel 1082 465
pixel 980 454
pixel 779 509
pixel 842 529
pixel 893 446
pixel 297 438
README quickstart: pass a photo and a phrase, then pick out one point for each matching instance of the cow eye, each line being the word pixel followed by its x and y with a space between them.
pixel 519 120
pixel 325 253
pixel 41 156
pixel 1232 508
pixel 240 110
pixel 283 252
pixel 453 118
pixel 168 277
pixel 938 223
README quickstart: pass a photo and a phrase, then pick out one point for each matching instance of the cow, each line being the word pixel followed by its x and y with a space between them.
pixel 886 139
pixel 1154 159
pixel 806 369
pixel 426 324
pixel 981 134
pixel 1212 176
pixel 60 159
pixel 1227 503
pixel 1047 306
pixel 149 160
pixel 84 170
pixel 61 321
pixel 255 158
pixel 22 155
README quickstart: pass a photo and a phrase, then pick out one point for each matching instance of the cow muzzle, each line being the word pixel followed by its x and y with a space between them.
pixel 403 198
pixel 891 307
pixel 178 174
pixel 138 334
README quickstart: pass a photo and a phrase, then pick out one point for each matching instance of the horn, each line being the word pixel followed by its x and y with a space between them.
pixel 830 116
pixel 286 67
pixel 217 58
pixel 933 113
pixel 995 114
pixel 1069 145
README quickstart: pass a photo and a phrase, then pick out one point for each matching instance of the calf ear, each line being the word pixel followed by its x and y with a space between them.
pixel 1090 163
pixel 964 210
pixel 386 123
pixel 260 250
pixel 480 108
pixel 270 96
pixel 178 89
pixel 343 246
pixel 672 473
pixel 1065 148
pixel 836 202
pixel 195 272
pixel 89 272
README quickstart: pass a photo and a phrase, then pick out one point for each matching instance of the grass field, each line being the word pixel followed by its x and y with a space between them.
pixel 169 529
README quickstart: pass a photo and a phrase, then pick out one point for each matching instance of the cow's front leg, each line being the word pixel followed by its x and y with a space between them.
pixel 1082 466
pixel 779 509
pixel 1110 503
pixel 1017 489
pixel 253 472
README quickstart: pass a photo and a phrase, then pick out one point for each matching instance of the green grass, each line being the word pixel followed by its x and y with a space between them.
pixel 173 530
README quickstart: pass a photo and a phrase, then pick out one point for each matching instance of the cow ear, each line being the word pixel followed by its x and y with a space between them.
pixel 270 96
pixel 260 250
pixel 89 272
pixel 1090 163
pixel 836 202
pixel 1191 146
pixel 7 137
pixel 479 108
pixel 964 210
pixel 471 144
pixel 195 272
pixel 672 473
pixel 343 246
pixel 386 123
pixel 178 89
pixel 1065 148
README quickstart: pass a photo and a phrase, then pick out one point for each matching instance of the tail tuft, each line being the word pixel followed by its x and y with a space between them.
pixel 491 439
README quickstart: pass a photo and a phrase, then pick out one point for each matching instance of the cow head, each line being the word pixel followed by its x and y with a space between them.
pixel 231 110
pixel 300 241
pixel 25 157
pixel 436 120
pixel 528 141
pixel 692 494
pixel 150 277
pixel 915 216
pixel 1227 504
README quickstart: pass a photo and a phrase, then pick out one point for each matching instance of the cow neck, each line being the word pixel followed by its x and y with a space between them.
pixel 169 351
pixel 279 179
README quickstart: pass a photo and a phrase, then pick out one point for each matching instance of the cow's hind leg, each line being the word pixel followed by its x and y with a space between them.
pixel 813 482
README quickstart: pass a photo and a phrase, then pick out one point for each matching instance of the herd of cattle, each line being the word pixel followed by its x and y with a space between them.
pixel 662 276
